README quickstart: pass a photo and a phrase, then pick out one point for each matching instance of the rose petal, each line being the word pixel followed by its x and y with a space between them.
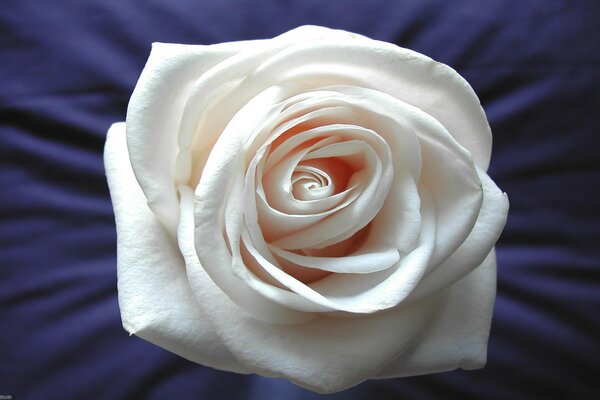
pixel 360 212
pixel 275 223
pixel 154 295
pixel 387 288
pixel 474 249
pixel 357 263
pixel 224 88
pixel 356 286
pixel 277 184
pixel 458 334
pixel 344 292
pixel 398 221
pixel 222 180
pixel 448 169
pixel 154 113
pixel 411 77
pixel 211 196
pixel 322 354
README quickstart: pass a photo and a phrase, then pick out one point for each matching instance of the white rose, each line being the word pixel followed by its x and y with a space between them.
pixel 313 207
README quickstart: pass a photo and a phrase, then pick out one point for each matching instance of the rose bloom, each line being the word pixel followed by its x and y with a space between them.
pixel 314 207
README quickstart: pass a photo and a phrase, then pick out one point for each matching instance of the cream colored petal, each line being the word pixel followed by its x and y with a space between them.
pixel 224 89
pixel 155 298
pixel 476 247
pixel 155 112
pixel 411 77
pixel 447 168
pixel 458 334
pixel 364 293
pixel 217 227
pixel 325 354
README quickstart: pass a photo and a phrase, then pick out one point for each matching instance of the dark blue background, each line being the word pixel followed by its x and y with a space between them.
pixel 67 69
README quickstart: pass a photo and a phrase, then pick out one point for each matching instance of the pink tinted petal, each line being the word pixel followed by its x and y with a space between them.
pixel 365 293
pixel 221 185
pixel 277 183
pixel 397 223
pixel 384 289
pixel 447 169
pixel 356 263
pixel 356 215
pixel 274 223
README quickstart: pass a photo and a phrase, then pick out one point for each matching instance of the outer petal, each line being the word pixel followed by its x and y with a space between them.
pixel 330 353
pixel 481 240
pixel 154 295
pixel 326 354
pixel 223 90
pixel 154 115
pixel 458 336
pixel 409 76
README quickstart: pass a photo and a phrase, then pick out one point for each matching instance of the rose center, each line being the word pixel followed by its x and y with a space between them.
pixel 311 183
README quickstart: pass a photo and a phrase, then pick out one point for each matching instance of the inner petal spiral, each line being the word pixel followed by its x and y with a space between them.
pixel 313 180
pixel 310 183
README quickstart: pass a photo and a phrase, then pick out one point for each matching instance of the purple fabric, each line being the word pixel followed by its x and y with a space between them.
pixel 67 69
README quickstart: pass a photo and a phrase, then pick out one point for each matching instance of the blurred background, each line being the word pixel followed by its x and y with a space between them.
pixel 67 69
